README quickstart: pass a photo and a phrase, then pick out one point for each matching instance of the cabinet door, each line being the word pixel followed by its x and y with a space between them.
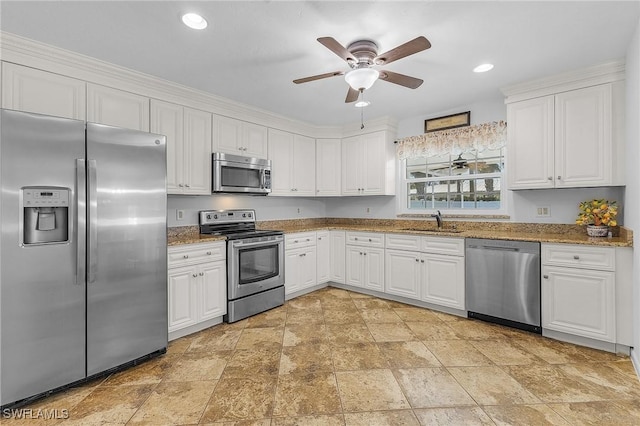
pixel 167 119
pixel 402 273
pixel 579 301
pixel 227 133
pixel 292 265
pixel 32 90
pixel 304 166
pixel 197 145
pixel 373 164
pixel 351 163
pixel 281 156
pixel 254 140
pixel 355 266
pixel 328 164
pixel 583 137
pixel 182 297
pixel 308 266
pixel 338 272
pixel 374 264
pixel 443 280
pixel 530 146
pixel 323 264
pixel 213 290
pixel 115 107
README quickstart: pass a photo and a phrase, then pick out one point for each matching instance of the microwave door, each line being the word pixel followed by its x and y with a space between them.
pixel 234 177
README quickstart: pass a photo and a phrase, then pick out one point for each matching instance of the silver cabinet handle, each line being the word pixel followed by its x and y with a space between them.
pixel 576 257
pixel 201 274
pixel 195 275
pixel 360 253
pixel 546 277
pixel 180 185
pixel 559 177
pixel 319 238
pixel 295 241
pixel 369 239
pixel 356 238
pixel 417 260
pixel 422 261
pixel 81 221
pixel 186 256
pixel 208 253
pixel 308 239
pixel 364 254
pixel 550 178
pixel 187 186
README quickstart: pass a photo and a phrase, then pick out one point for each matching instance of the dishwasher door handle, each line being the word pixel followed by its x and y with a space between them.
pixel 501 248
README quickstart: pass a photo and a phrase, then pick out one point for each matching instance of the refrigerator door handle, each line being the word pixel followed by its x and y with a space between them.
pixel 81 221
pixel 93 221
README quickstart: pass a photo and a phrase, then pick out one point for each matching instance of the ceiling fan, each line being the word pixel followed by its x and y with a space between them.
pixel 362 56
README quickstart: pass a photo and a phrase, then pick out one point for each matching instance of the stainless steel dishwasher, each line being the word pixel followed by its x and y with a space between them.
pixel 503 282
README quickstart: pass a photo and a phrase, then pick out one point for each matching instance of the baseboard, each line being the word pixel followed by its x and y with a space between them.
pixel 635 360
pixel 304 291
pixel 194 328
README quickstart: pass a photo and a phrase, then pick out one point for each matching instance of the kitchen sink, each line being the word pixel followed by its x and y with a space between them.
pixel 433 231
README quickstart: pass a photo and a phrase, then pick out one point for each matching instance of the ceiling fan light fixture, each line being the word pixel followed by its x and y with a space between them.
pixel 362 104
pixel 483 68
pixel 361 78
pixel 195 21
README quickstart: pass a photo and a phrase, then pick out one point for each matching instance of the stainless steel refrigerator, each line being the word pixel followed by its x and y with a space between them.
pixel 83 268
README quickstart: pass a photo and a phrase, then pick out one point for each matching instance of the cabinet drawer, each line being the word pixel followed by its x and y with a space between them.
pixel 443 245
pixel 369 239
pixel 300 239
pixel 196 253
pixel 402 242
pixel 585 257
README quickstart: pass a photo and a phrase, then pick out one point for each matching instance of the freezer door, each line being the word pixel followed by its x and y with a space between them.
pixel 127 246
pixel 42 291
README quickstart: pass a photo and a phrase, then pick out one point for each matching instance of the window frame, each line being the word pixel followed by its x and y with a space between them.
pixel 403 208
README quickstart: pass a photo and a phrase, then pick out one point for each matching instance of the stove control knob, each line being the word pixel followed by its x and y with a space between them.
pixel 244 215
pixel 215 216
pixel 249 214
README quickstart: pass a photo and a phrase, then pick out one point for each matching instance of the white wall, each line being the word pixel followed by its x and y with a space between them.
pixel 267 208
pixel 632 196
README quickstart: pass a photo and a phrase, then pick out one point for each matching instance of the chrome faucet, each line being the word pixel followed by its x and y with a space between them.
pixel 438 217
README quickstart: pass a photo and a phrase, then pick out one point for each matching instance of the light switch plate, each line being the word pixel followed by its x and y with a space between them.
pixel 179 214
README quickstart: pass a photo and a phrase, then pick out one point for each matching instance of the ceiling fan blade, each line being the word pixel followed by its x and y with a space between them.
pixel 352 95
pixel 318 77
pixel 401 79
pixel 416 45
pixel 331 44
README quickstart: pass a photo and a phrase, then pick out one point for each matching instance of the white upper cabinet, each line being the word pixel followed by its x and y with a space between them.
pixel 566 140
pixel 32 90
pixel 238 137
pixel 114 107
pixel 293 166
pixel 188 133
pixel 368 165
pixel 328 174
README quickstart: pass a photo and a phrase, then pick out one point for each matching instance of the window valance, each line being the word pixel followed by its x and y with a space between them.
pixel 481 137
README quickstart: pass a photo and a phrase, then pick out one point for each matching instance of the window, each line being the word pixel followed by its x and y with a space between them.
pixel 468 181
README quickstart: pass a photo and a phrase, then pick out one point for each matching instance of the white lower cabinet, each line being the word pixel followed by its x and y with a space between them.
pixel 300 261
pixel 338 256
pixel 197 281
pixel 365 260
pixel 323 261
pixel 416 268
pixel 578 291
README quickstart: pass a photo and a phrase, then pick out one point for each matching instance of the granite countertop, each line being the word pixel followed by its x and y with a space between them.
pixel 544 233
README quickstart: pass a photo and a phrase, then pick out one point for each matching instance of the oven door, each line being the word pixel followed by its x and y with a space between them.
pixel 254 265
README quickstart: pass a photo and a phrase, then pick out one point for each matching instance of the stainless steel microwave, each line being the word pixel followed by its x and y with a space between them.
pixel 245 175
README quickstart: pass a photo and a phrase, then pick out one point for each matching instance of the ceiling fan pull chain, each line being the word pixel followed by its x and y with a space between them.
pixel 362 110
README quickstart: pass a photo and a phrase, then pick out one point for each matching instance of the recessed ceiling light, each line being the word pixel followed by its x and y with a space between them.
pixel 483 68
pixel 362 104
pixel 195 21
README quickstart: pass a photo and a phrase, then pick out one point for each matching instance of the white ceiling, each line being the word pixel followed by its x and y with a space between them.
pixel 253 50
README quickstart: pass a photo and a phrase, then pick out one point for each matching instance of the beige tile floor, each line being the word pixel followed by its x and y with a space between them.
pixel 335 357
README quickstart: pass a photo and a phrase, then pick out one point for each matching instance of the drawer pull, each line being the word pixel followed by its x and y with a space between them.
pixel 546 277
pixel 417 260
pixel 369 239
pixel 208 253
pixel 422 261
pixel 195 275
pixel 356 238
pixel 308 239
pixel 295 241
pixel 364 254
pixel 201 274
pixel 186 256
pixel 576 257
pixel 550 178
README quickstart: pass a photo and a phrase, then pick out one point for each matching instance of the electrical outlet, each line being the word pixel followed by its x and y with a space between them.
pixel 179 214
pixel 543 212
pixel 368 209
pixel 298 210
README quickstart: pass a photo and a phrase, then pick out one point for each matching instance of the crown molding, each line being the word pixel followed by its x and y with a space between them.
pixel 607 72
pixel 30 53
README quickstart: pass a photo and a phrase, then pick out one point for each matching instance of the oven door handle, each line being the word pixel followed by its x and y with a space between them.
pixel 275 240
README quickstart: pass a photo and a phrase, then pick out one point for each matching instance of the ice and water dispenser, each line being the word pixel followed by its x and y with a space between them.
pixel 46 215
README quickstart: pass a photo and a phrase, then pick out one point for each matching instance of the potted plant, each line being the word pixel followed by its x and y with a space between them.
pixel 598 215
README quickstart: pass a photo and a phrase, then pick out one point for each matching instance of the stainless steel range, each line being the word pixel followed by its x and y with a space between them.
pixel 255 262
